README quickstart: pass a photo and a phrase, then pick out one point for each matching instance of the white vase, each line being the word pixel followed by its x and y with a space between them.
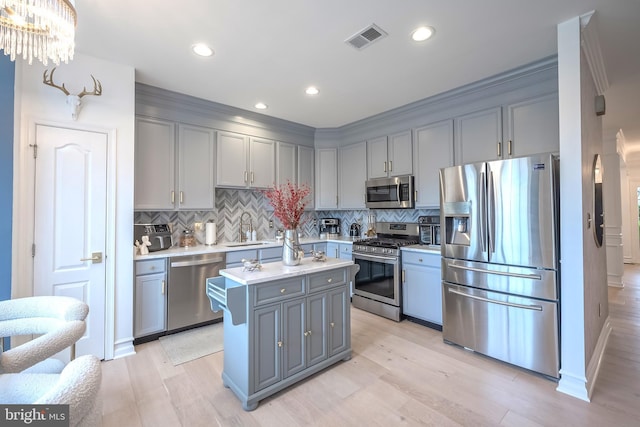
pixel 292 253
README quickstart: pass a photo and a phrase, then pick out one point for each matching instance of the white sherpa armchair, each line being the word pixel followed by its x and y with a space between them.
pixel 78 385
pixel 58 320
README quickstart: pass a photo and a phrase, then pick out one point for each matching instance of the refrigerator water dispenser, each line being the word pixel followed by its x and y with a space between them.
pixel 457 230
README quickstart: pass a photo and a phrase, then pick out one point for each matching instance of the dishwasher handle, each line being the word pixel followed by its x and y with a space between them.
pixel 196 262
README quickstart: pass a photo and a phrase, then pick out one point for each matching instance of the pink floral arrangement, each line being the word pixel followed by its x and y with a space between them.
pixel 288 201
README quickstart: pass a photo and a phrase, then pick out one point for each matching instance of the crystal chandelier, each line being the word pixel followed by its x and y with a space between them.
pixel 41 29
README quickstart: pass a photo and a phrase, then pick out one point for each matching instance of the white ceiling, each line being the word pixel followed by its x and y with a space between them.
pixel 272 50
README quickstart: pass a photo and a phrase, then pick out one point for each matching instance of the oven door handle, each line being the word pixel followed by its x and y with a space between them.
pixel 369 257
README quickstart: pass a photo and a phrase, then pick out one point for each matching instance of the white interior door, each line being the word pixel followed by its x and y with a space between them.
pixel 70 223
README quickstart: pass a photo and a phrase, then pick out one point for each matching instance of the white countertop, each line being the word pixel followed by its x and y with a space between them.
pixel 276 270
pixel 432 249
pixel 223 247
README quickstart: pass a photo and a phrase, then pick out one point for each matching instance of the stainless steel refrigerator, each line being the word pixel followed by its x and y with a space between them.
pixel 500 247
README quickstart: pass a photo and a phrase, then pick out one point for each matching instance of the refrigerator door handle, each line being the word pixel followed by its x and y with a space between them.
pixel 483 209
pixel 499 273
pixel 491 214
pixel 492 301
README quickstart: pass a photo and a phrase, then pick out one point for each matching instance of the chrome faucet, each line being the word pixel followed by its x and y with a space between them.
pixel 242 237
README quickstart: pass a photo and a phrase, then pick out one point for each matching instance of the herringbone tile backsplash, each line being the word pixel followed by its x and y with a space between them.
pixel 230 205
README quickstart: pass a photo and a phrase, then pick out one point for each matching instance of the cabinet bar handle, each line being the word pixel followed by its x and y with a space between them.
pixel 403 275
pixel 283 290
pixel 509 147
pixel 181 197
pixel 163 284
pixel 252 177
pixel 499 149
pixel 173 196
pixel 415 195
pixel 384 166
pixel 336 252
pixel 246 176
pixel 390 165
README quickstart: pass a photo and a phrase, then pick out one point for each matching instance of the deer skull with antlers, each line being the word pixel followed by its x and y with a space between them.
pixel 74 102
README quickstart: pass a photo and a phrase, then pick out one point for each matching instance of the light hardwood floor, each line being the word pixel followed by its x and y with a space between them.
pixel 400 374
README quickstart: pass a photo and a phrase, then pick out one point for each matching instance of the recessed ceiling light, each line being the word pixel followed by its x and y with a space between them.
pixel 261 106
pixel 423 33
pixel 202 49
pixel 312 90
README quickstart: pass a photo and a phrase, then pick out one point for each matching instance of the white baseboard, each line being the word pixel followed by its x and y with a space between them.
pixel 124 348
pixel 598 353
pixel 581 386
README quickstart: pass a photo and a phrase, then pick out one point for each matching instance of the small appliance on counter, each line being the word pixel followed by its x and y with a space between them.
pixel 354 230
pixel 159 235
pixel 187 238
pixel 329 228
pixel 429 230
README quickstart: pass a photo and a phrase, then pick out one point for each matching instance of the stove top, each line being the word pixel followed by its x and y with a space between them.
pixel 391 237
pixel 385 242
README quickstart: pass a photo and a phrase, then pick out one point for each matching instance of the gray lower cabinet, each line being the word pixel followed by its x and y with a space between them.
pixel 279 332
pixel 150 298
pixel 339 250
pixel 308 247
pixel 422 286
pixel 270 254
pixel 234 258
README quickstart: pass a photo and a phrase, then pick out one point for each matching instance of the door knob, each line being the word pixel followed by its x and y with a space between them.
pixel 96 258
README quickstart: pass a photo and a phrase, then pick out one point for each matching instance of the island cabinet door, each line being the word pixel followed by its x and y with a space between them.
pixel 293 333
pixel 268 343
pixel 316 332
pixel 339 305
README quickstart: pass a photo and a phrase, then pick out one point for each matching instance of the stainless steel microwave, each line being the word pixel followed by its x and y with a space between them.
pixel 390 193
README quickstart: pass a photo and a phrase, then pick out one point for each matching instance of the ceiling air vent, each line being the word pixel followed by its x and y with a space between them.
pixel 366 36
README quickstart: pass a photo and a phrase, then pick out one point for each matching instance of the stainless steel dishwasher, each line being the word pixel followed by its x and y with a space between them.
pixel 188 304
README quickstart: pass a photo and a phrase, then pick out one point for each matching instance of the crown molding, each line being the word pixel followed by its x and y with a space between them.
pixel 591 47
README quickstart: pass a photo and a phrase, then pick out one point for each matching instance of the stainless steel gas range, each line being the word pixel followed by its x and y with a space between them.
pixel 377 286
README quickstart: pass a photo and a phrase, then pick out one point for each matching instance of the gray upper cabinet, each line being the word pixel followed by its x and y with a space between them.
pixel 262 173
pixel 352 176
pixel 529 127
pixel 195 168
pixel 161 158
pixel 478 136
pixel 244 161
pixel 389 156
pixel 326 178
pixel 306 170
pixel 432 150
pixel 231 160
pixel 155 150
pixel 377 157
pixel 532 126
pixel 285 163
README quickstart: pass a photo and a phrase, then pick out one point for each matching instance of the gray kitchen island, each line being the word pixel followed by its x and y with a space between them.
pixel 282 323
